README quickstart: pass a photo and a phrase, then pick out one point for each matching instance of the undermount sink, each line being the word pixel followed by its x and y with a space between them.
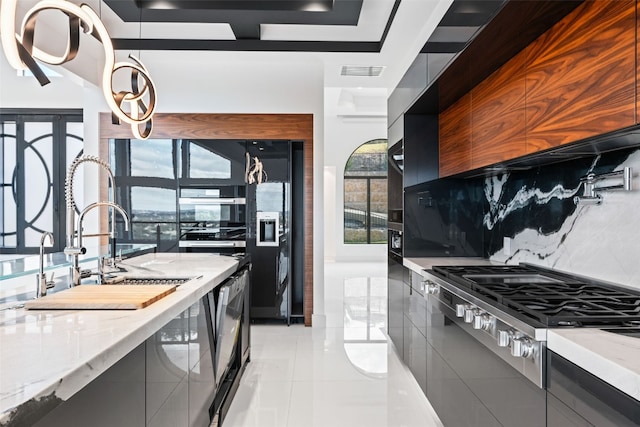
pixel 124 280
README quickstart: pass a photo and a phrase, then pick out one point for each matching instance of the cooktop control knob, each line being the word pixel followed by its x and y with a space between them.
pixel 504 338
pixel 482 321
pixel 431 288
pixel 461 308
pixel 521 347
pixel 469 314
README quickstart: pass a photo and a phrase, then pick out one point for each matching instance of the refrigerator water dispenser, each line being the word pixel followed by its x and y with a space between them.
pixel 268 229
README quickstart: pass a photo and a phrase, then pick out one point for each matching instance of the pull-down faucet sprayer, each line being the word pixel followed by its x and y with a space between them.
pixel 74 230
pixel 70 200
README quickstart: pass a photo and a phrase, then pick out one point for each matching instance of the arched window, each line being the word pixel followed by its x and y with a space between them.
pixel 365 194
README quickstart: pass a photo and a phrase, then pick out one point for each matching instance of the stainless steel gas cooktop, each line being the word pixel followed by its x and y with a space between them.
pixel 551 298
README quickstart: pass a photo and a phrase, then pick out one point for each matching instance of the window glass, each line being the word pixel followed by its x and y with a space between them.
pixel 34 147
pixel 365 194
pixel 7 201
pixel 153 204
pixel 355 210
pixel 152 158
pixel 370 159
pixel 152 208
pixel 378 210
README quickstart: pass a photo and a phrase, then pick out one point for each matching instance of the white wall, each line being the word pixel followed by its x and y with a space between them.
pixel 26 92
pixel 343 134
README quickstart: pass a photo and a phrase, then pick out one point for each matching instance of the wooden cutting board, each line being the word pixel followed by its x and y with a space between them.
pixel 102 297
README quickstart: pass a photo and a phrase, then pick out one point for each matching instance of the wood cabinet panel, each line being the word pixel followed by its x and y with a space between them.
pixel 498 115
pixel 637 61
pixel 581 75
pixel 455 137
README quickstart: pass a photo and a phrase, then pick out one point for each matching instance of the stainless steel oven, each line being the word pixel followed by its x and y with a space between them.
pixel 482 369
pixel 212 218
pixel 486 334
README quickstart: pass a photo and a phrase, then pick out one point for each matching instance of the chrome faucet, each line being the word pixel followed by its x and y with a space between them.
pixel 591 196
pixel 78 249
pixel 41 289
pixel 71 203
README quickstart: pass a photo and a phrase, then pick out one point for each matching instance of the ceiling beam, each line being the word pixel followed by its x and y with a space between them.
pixel 246 45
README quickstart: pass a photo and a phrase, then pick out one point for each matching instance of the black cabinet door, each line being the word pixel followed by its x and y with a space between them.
pixel 421 161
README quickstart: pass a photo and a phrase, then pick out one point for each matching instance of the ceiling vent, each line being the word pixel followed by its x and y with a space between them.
pixel 361 71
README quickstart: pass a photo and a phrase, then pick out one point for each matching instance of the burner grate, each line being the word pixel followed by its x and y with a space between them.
pixel 553 299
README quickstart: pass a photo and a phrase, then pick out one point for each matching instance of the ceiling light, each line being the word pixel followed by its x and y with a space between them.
pixel 317 6
pixel 22 54
pixel 362 70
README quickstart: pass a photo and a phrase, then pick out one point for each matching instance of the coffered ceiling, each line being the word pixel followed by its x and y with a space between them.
pixel 254 25
pixel 363 44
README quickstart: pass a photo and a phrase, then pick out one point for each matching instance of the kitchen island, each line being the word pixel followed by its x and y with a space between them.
pixel 48 356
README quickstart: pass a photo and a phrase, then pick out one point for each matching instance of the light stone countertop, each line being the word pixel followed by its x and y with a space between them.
pixel 419 264
pixel 55 353
pixel 611 357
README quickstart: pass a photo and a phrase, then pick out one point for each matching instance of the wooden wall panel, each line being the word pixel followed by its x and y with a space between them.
pixel 498 115
pixel 240 126
pixel 455 137
pixel 581 75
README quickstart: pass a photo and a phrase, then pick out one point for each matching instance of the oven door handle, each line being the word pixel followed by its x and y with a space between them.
pixel 211 201
pixel 210 244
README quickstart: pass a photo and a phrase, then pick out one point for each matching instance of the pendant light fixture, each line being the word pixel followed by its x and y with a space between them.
pixel 128 106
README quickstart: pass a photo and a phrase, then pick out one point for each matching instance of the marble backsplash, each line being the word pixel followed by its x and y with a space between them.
pixel 536 211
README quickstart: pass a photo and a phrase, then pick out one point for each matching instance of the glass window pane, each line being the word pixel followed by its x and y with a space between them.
pixel 153 158
pixel 38 160
pixel 153 204
pixel 204 163
pixel 370 159
pixel 8 206
pixel 355 211
pixel 378 204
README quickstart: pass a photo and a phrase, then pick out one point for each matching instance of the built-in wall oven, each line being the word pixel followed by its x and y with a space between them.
pixel 212 219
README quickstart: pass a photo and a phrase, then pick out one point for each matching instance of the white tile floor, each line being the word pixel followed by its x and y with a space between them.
pixel 346 374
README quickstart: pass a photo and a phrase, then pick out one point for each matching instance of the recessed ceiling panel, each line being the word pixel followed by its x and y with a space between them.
pixel 269 25
pixel 295 5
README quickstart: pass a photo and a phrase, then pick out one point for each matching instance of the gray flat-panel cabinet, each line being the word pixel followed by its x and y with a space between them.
pixel 395 302
pixel 166 381
pixel 167 368
pixel 115 398
pixel 415 341
pixel 577 397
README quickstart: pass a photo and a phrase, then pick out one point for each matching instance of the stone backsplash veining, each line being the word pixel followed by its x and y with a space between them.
pixel 535 209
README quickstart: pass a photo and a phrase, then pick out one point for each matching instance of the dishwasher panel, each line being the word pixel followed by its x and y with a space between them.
pixel 228 315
